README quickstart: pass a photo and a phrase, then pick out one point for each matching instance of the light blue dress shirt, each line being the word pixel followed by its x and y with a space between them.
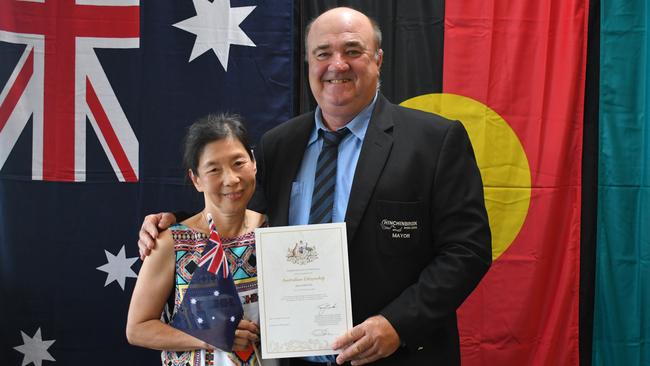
pixel 346 164
pixel 349 149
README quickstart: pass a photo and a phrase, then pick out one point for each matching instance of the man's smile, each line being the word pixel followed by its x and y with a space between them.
pixel 338 81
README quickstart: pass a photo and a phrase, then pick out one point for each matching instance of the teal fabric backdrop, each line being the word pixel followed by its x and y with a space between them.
pixel 622 299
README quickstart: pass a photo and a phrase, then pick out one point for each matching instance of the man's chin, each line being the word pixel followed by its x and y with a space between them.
pixel 337 101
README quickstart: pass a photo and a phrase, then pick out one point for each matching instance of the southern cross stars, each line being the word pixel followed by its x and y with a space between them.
pixel 118 267
pixel 34 349
pixel 216 26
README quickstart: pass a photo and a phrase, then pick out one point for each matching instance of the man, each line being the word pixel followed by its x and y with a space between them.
pixel 407 186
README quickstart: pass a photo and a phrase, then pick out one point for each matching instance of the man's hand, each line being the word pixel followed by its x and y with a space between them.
pixel 151 227
pixel 246 332
pixel 369 341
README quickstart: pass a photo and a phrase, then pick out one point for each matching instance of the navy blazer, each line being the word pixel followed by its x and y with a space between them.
pixel 418 234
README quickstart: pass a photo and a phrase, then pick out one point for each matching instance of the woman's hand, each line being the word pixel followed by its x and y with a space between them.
pixel 246 332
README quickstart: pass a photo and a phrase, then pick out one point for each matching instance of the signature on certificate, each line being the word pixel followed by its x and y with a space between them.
pixel 325 307
pixel 321 332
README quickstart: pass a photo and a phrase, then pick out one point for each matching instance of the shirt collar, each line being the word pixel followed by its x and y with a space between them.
pixel 357 126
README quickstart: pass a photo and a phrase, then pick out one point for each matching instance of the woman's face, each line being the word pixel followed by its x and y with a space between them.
pixel 226 175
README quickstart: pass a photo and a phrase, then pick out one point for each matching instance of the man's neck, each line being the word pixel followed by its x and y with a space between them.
pixel 335 122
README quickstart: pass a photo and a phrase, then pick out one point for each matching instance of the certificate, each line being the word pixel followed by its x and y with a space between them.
pixel 304 289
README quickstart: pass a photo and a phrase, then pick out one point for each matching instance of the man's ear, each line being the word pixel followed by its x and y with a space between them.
pixel 196 180
pixel 379 58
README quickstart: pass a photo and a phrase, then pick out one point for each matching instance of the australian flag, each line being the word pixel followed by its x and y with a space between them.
pixel 211 308
pixel 95 97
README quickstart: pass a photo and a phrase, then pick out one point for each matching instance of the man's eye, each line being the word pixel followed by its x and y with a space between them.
pixel 353 52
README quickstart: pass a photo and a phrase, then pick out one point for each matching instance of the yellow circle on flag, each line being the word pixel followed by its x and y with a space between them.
pixel 500 157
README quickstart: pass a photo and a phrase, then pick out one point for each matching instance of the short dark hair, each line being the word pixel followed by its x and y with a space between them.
pixel 213 127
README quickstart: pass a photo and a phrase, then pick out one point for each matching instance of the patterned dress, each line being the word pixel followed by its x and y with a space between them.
pixel 240 251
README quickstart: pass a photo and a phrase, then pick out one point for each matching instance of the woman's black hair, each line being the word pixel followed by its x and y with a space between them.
pixel 213 127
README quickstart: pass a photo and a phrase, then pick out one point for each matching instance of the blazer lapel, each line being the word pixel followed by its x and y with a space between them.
pixel 376 147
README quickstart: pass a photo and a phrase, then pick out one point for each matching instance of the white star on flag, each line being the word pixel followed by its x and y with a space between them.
pixel 118 267
pixel 216 26
pixel 35 349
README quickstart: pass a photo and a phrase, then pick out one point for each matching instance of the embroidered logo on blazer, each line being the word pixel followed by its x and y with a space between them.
pixel 399 229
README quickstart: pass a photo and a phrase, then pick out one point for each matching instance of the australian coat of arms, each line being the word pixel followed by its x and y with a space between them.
pixel 301 253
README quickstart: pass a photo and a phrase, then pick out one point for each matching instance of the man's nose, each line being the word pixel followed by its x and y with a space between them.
pixel 339 63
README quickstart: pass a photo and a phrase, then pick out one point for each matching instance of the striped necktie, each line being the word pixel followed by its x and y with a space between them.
pixel 322 200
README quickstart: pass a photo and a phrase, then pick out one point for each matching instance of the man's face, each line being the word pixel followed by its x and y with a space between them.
pixel 343 63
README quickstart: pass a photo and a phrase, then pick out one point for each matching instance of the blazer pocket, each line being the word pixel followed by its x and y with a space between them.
pixel 400 226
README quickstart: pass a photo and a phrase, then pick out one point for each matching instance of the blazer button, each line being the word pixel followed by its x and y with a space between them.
pixel 420 348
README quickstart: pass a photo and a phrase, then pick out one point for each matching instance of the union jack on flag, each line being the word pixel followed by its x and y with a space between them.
pixel 215 257
pixel 59 82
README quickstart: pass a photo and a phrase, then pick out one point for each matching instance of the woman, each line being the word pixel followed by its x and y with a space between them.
pixel 221 166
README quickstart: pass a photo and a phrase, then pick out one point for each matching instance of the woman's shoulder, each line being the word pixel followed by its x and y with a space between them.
pixel 255 219
pixel 193 225
pixel 179 228
pixel 185 233
pixel 164 242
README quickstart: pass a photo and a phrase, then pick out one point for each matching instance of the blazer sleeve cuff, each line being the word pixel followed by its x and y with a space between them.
pixel 410 337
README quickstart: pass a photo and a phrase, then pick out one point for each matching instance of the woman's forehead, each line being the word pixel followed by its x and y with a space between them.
pixel 223 148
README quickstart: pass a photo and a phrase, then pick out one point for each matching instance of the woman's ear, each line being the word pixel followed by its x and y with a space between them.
pixel 196 180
